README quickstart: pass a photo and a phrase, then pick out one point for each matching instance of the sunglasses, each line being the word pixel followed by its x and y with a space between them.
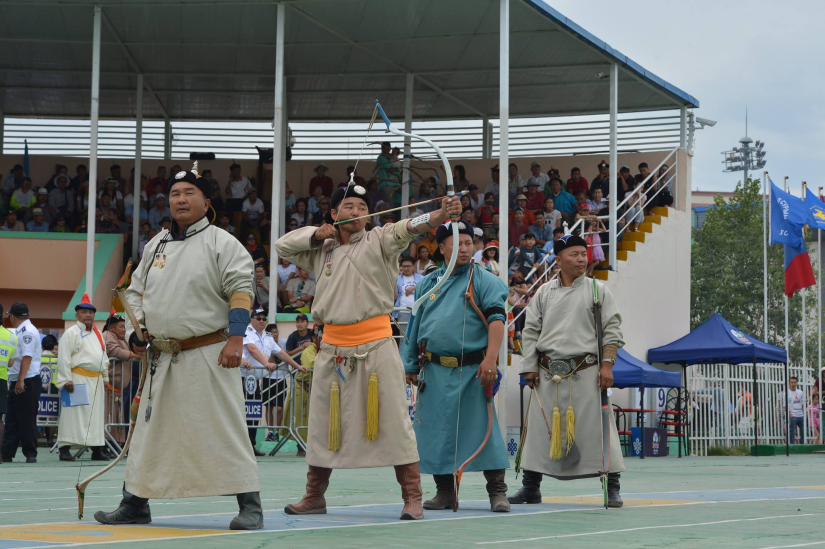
pixel 260 318
pixel 251 239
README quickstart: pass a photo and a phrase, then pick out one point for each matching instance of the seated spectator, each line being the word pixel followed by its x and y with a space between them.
pixel 518 226
pixel 111 188
pixel 323 210
pixel 60 225
pixel 564 202
pixel 356 178
pixel 143 213
pixel 529 254
pixel 237 187
pixel 538 176
pixel 625 183
pixel 552 217
pixel 548 248
pixel 223 223
pixel 166 224
pixel 81 177
pixel 535 199
pixel 157 190
pixel 125 228
pixel 300 339
pixel 387 172
pixel 493 186
pixel 261 287
pixel 257 251
pixel 302 215
pixel 59 169
pixel 142 245
pixel 577 183
pixel 515 183
pixel 426 191
pixel 62 199
pixel 300 292
pixel 597 203
pixel 423 260
pixel 81 201
pixel 159 179
pixel 116 175
pixel 465 201
pixel 541 230
pixel 469 216
pixel 106 201
pixel 460 178
pixel 289 201
pixel 14 181
pixel 521 202
pixel 584 213
pixel 292 225
pixel 491 232
pixel 129 197
pixel 603 179
pixel 489 257
pixel 158 212
pixel 664 180
pixel 37 224
pixel 11 223
pixel 476 200
pixel 386 219
pixel 253 210
pixel 23 197
pixel 286 272
pixel 104 223
pixel 488 208
pixel 429 242
pixel 322 181
pixel 42 202
pixel 518 299
pixel 216 198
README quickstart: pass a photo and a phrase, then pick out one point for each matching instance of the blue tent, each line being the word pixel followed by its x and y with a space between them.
pixel 629 371
pixel 717 341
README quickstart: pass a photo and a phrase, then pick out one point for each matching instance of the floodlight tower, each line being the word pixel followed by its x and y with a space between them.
pixel 750 156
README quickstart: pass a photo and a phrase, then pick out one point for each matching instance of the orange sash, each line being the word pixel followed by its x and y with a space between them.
pixel 352 335
pixel 79 370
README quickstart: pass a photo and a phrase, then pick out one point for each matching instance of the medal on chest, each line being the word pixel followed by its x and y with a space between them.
pixel 328 272
pixel 160 261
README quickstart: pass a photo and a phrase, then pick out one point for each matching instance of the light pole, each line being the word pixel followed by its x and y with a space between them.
pixel 745 158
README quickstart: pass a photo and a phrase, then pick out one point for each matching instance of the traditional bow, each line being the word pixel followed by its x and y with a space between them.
pixel 450 193
pixel 81 486
pixel 488 394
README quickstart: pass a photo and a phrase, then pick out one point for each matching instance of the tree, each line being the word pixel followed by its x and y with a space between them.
pixel 727 271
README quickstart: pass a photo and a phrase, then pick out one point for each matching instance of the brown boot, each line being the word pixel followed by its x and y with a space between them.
pixel 444 495
pixel 313 502
pixel 409 478
pixel 497 491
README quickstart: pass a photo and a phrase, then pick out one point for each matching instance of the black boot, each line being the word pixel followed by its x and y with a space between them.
pixel 444 494
pixel 132 510
pixel 497 491
pixel 251 515
pixel 529 493
pixel 99 454
pixel 66 454
pixel 614 499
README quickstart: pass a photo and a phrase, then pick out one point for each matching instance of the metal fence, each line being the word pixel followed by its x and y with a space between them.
pixel 557 136
pixel 725 412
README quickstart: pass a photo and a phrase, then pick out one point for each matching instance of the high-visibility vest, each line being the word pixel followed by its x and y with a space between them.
pixel 47 359
pixel 8 342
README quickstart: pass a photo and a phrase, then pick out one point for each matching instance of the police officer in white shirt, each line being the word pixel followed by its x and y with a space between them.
pixel 25 388
pixel 258 349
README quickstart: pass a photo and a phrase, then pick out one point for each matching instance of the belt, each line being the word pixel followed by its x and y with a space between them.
pixel 176 346
pixel 566 366
pixel 360 333
pixel 84 372
pixel 453 361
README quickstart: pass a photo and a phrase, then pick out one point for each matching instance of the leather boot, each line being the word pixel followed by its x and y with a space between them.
pixel 497 490
pixel 99 454
pixel 614 499
pixel 132 510
pixel 313 502
pixel 529 492
pixel 251 515
pixel 444 494
pixel 409 477
pixel 66 454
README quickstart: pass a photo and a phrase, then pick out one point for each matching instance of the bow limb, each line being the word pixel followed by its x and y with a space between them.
pixel 488 393
pixel 450 193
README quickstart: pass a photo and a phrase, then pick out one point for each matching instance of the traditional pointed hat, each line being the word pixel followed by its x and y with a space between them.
pixel 85 303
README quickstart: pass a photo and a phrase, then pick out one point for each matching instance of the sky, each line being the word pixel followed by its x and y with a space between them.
pixel 729 54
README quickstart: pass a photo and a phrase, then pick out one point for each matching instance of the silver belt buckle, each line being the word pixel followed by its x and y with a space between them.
pixel 166 346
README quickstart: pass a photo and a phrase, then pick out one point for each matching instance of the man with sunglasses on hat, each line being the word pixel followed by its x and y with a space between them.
pixel 355 417
pixel 194 281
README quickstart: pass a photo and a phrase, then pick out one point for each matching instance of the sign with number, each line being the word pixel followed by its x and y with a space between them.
pixel 254 409
pixel 48 406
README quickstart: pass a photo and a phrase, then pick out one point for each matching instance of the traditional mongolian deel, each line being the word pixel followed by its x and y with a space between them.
pixel 355 383
pixel 197 426
pixel 451 403
pixel 82 360
pixel 559 325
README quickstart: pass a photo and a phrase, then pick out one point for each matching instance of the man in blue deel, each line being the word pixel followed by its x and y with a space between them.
pixel 450 353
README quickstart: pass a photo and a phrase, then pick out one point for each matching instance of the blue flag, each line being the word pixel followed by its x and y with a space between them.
pixel 816 211
pixel 789 215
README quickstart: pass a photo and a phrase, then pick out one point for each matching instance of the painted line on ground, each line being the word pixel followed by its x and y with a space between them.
pixel 637 529
pixel 809 544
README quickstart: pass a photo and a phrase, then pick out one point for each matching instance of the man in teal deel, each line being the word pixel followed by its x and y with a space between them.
pixel 450 353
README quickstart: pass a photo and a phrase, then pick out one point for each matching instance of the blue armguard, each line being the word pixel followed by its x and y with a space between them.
pixel 238 321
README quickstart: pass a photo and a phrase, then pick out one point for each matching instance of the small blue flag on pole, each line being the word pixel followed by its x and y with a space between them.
pixel 789 215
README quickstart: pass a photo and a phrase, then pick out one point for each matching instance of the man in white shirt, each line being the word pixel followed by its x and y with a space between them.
pixel 258 349
pixel 478 244
pixel 24 387
pixel 237 188
pixel 793 409
pixel 538 176
pixel 253 210
pixel 405 289
pixel 493 186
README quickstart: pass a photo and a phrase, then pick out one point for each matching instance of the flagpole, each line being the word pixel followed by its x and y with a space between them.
pixel 787 360
pixel 804 319
pixel 765 201
pixel 818 375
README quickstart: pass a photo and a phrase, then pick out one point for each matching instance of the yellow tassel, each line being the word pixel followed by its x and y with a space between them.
pixel 334 441
pixel 555 440
pixel 372 407
pixel 570 427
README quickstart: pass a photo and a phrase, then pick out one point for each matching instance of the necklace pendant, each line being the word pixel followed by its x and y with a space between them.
pixel 329 269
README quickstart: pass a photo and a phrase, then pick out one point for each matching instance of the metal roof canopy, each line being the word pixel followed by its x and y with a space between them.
pixel 215 60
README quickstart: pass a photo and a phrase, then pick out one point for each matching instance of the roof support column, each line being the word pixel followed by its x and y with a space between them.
pixel 405 171
pixel 138 157
pixel 486 138
pixel 167 139
pixel 504 184
pixel 614 162
pixel 278 151
pixel 90 218
pixel 683 127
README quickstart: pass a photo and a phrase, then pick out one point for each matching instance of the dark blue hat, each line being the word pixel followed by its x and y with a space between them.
pixel 444 231
pixel 568 241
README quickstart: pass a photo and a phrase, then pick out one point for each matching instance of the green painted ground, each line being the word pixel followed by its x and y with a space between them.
pixel 665 516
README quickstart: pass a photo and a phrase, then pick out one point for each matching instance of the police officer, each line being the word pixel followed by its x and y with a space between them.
pixel 48 378
pixel 8 344
pixel 24 377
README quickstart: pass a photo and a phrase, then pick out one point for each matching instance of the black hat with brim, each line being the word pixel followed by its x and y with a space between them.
pixel 350 191
pixel 193 178
pixel 445 231
pixel 568 241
